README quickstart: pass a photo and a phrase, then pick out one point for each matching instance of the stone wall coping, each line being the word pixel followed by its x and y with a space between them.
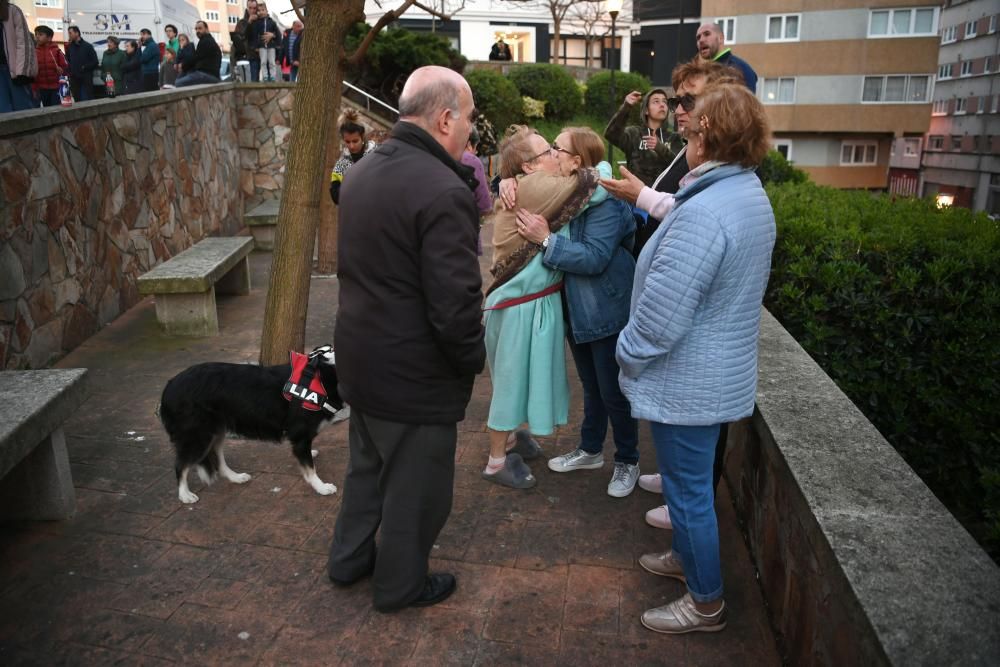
pixel 22 122
pixel 931 594
pixel 198 268
pixel 33 404
pixel 264 214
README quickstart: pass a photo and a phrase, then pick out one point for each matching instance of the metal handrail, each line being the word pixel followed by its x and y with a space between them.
pixel 370 98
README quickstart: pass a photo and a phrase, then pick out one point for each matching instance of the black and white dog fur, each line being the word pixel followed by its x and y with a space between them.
pixel 205 402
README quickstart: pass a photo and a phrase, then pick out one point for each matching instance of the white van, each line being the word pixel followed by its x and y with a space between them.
pixel 97 19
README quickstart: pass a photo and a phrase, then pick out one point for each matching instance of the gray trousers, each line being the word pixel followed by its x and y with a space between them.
pixel 400 479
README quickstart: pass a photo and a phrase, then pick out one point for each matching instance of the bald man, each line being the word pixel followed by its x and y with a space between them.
pixel 409 340
pixel 711 42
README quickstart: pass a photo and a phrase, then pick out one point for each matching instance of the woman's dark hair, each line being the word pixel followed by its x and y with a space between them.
pixel 350 123
pixel 45 30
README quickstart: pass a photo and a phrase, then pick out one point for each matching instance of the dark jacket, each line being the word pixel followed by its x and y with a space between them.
pixel 82 59
pixel 669 181
pixel 409 336
pixel 185 57
pixel 207 56
pixel 749 76
pixel 644 163
pixel 150 57
pixel 598 269
pixel 291 51
pixel 132 71
pixel 257 30
pixel 111 63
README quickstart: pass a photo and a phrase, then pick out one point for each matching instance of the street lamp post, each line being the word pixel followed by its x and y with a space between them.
pixel 614 6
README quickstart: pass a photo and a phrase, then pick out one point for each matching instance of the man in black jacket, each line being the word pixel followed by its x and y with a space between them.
pixel 82 62
pixel 207 60
pixel 291 48
pixel 409 340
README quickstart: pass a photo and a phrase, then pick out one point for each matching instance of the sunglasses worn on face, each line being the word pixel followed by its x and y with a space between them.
pixel 685 101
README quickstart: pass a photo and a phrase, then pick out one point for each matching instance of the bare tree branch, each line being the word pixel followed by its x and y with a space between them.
pixel 389 17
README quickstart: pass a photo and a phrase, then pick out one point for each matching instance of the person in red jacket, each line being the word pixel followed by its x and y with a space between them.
pixel 51 65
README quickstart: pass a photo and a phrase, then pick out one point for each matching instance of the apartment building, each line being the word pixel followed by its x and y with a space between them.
pixel 960 164
pixel 841 79
pixel 43 12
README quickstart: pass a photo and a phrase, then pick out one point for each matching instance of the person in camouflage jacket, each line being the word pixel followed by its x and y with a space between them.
pixel 650 147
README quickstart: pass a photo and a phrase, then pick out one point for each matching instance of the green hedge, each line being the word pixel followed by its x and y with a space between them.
pixel 899 302
pixel 551 83
pixel 597 99
pixel 496 97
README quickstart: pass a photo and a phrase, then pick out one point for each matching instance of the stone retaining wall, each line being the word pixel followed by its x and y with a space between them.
pixel 93 196
pixel 858 561
pixel 264 122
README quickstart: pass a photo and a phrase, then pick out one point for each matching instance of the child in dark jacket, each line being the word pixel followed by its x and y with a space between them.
pixel 266 38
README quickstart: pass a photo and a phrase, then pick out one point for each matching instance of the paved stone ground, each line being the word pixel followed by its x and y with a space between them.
pixel 546 577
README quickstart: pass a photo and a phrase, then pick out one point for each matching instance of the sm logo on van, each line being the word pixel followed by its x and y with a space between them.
pixel 112 23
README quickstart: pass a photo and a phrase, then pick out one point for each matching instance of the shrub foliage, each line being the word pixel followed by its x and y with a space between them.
pixel 496 97
pixel 597 99
pixel 552 84
pixel 899 302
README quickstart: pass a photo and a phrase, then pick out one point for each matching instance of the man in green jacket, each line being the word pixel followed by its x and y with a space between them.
pixel 649 147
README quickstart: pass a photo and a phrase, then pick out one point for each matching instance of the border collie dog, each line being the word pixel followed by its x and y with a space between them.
pixel 205 402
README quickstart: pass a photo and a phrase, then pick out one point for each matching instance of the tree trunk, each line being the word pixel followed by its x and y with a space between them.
pixel 556 41
pixel 316 94
pixel 326 261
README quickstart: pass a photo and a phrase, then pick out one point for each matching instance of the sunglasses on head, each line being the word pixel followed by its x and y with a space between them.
pixel 686 101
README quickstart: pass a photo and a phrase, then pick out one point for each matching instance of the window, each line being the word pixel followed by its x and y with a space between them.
pixel 728 25
pixel 936 143
pixel 911 147
pixel 970 29
pixel 987 64
pixel 959 106
pixel 858 153
pixel 981 103
pixel 784 146
pixel 48 3
pixel 55 24
pixel 993 24
pixel 966 68
pixel 233 20
pixel 956 142
pixel 896 88
pixel 211 16
pixel 902 22
pixel 949 35
pixel 945 71
pixel 779 91
pixel 940 108
pixel 233 2
pixel 783 28
pixel 996 104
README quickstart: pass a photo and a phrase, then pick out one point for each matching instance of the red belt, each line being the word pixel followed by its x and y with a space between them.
pixel 517 301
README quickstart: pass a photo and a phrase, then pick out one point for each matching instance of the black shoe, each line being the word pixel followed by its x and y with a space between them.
pixel 437 588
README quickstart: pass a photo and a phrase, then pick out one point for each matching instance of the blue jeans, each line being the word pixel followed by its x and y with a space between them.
pixel 255 70
pixel 195 78
pixel 603 400
pixel 685 455
pixel 14 97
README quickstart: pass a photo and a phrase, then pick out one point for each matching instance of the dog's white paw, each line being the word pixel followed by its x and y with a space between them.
pixel 187 497
pixel 315 453
pixel 240 478
pixel 325 489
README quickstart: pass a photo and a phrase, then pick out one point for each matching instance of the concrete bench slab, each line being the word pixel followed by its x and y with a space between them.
pixel 185 285
pixel 263 221
pixel 35 479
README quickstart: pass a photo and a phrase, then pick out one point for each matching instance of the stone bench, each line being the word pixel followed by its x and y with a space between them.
pixel 185 285
pixel 262 222
pixel 35 479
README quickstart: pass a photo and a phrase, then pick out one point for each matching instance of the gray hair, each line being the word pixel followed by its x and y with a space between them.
pixel 425 101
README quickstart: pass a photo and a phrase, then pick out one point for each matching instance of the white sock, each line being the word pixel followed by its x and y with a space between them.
pixel 494 466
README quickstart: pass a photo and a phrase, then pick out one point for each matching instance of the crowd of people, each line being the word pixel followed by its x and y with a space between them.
pixel 32 64
pixel 654 279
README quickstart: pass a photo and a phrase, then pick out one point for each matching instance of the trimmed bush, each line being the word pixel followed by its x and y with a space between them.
pixel 776 169
pixel 553 85
pixel 496 97
pixel 899 302
pixel 597 99
pixel 533 108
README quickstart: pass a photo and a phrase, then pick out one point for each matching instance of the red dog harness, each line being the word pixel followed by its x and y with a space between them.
pixel 517 301
pixel 305 385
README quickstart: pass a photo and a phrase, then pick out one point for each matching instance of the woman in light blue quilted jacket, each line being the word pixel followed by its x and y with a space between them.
pixel 688 354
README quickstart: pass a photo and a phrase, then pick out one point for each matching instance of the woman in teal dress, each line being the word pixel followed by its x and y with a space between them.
pixel 523 310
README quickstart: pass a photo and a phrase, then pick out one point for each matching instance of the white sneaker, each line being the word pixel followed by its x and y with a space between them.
pixel 576 460
pixel 623 480
pixel 651 483
pixel 659 517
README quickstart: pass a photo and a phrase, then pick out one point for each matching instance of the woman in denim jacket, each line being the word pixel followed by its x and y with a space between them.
pixel 598 266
